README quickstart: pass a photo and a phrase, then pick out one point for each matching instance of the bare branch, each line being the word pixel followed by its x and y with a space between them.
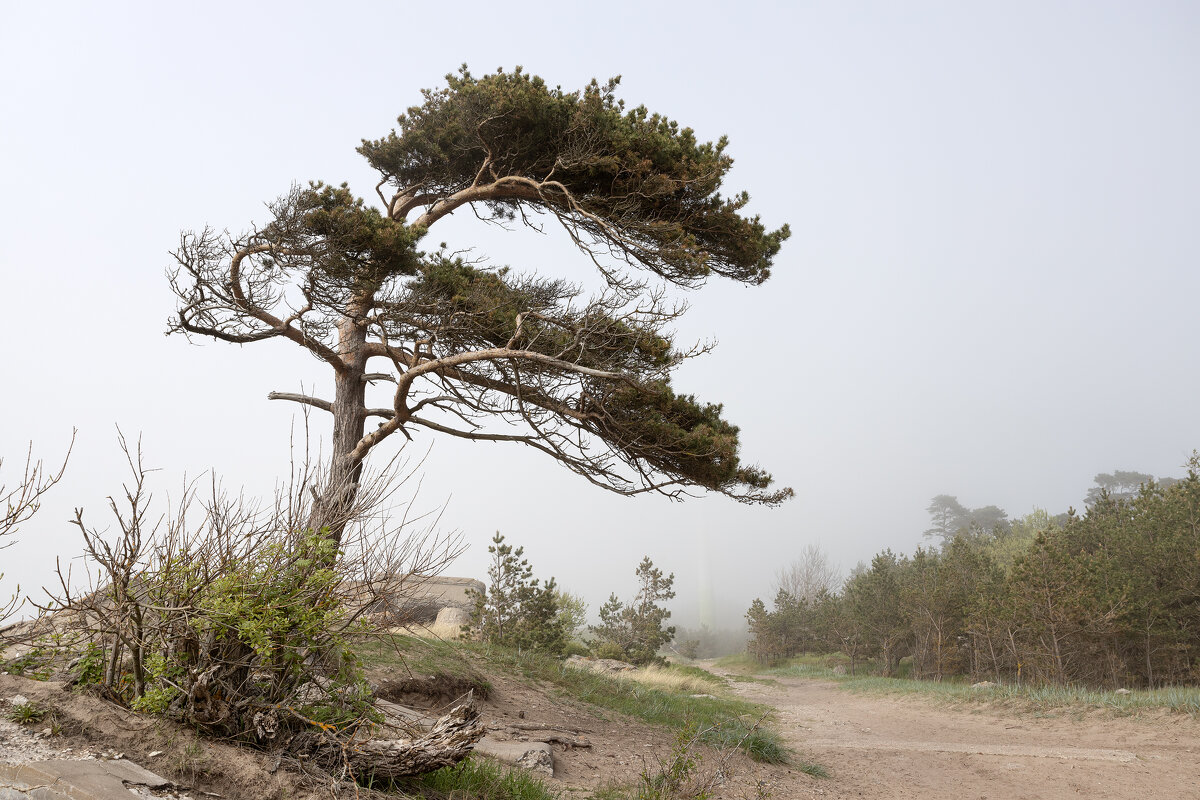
pixel 315 402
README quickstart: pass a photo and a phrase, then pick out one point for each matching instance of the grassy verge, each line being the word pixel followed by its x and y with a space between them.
pixel 481 779
pixel 477 779
pixel 1182 699
pixel 410 656
pixel 663 697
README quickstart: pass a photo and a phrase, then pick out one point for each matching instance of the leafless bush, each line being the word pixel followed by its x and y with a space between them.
pixel 18 505
pixel 229 614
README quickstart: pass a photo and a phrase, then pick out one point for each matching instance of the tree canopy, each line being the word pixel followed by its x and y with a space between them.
pixel 493 354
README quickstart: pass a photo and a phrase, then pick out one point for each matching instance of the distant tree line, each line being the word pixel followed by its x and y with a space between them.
pixel 1109 598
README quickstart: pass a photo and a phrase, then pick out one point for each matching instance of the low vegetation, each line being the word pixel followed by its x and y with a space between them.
pixel 1035 697
pixel 25 713
pixel 477 779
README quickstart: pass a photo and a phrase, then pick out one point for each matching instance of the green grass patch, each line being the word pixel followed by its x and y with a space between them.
pixel 1180 699
pixel 1183 699
pixel 698 673
pixel 760 744
pixel 739 662
pixel 830 665
pixel 477 779
pixel 410 656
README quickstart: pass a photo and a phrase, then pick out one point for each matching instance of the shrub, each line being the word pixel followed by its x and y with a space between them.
pixel 238 626
pixel 603 648
pixel 576 648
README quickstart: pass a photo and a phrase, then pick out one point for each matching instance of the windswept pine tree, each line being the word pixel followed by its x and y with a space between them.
pixel 492 354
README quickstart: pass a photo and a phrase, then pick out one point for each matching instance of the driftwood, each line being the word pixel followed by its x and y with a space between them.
pixel 551 734
pixel 448 741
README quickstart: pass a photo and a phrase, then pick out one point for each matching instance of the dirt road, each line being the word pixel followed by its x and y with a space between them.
pixel 882 747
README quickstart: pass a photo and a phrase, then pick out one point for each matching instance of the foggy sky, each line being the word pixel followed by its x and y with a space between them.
pixel 989 292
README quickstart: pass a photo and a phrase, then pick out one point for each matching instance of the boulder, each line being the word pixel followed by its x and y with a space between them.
pixel 452 616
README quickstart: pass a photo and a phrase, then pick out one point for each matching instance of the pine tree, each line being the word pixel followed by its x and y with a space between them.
pixel 515 610
pixel 637 628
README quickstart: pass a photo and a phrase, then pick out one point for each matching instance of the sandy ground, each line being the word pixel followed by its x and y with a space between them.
pixel 881 746
pixel 874 746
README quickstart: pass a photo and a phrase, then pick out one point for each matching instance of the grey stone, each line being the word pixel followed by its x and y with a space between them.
pixel 537 757
pixel 77 780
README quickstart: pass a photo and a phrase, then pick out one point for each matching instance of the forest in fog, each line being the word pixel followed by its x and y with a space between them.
pixel 1109 597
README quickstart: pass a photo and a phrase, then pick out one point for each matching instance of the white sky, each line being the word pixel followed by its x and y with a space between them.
pixel 990 289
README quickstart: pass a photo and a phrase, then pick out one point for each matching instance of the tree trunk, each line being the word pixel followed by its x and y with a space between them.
pixel 349 419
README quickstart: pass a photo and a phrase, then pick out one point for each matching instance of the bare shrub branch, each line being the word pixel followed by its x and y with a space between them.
pixel 18 505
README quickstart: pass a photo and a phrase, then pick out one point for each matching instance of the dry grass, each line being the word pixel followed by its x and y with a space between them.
pixel 674 679
pixel 442 632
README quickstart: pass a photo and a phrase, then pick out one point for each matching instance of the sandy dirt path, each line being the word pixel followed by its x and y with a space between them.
pixel 881 746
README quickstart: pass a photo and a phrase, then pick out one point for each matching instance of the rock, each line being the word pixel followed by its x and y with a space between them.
pixel 605 666
pixel 309 694
pixel 1122 691
pixel 18 700
pixel 983 685
pixel 537 757
pixel 84 779
pixel 452 616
